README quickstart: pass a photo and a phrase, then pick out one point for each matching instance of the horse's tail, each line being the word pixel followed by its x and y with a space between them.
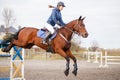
pixel 9 37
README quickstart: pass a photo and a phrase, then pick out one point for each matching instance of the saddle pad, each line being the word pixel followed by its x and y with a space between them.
pixel 41 33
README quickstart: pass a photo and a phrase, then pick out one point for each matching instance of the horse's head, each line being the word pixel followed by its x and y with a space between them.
pixel 79 27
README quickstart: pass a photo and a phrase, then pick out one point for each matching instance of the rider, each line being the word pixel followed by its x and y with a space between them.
pixel 55 18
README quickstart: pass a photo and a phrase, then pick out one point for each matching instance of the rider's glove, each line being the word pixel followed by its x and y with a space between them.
pixel 55 28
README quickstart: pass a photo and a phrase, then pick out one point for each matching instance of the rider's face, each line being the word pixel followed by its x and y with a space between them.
pixel 60 8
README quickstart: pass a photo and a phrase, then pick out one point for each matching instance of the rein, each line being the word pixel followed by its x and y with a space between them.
pixel 70 31
pixel 73 28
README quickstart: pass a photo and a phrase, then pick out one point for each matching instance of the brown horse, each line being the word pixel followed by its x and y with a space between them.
pixel 27 37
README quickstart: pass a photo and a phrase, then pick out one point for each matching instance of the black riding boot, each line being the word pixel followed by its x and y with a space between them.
pixel 47 36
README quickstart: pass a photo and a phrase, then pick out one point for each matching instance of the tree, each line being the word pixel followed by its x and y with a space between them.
pixel 75 46
pixel 8 18
pixel 94 46
pixel 75 43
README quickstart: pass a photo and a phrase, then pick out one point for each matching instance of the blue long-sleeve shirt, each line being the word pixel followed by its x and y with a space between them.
pixel 55 18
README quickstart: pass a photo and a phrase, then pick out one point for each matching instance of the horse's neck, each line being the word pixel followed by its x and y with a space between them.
pixel 67 31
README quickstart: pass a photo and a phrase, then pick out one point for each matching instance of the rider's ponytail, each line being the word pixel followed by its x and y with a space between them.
pixel 50 6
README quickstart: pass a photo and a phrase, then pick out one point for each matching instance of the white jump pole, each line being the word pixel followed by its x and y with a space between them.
pixel 11 66
pixel 96 57
pixel 23 53
pixel 101 60
pixel 88 56
pixel 106 59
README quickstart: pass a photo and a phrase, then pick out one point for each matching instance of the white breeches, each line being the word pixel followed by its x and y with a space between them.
pixel 50 28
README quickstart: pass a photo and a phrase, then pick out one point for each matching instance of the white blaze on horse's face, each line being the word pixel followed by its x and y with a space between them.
pixel 80 28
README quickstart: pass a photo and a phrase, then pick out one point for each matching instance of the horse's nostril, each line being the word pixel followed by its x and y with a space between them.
pixel 86 35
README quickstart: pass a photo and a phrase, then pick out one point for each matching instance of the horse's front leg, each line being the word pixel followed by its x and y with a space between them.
pixel 62 53
pixel 75 66
pixel 75 62
pixel 67 66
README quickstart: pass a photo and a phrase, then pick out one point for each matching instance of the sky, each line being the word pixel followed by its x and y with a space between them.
pixel 102 17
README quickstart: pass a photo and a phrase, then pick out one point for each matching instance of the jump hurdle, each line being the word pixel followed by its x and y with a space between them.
pixel 109 60
pixel 16 64
pixel 93 56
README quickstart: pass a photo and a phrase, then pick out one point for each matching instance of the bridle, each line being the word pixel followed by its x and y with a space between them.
pixel 73 28
pixel 70 31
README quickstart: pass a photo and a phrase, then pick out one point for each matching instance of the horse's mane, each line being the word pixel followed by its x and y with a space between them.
pixel 71 23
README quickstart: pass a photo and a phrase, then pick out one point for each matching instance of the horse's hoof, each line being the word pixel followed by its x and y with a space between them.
pixel 74 72
pixel 66 72
pixel 3 50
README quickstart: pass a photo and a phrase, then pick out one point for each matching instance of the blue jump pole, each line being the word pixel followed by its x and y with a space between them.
pixel 17 51
pixel 4 78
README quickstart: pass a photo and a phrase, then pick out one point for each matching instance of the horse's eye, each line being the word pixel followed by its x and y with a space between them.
pixel 81 25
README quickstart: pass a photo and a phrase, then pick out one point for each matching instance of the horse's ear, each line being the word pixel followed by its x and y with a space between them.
pixel 79 18
pixel 83 18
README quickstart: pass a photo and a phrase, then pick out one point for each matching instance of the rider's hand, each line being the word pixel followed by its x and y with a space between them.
pixel 58 23
pixel 55 28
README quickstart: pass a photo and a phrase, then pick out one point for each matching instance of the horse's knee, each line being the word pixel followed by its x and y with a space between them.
pixel 74 59
pixel 68 62
pixel 67 58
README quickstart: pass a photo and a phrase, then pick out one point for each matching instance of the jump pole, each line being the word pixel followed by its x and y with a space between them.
pixel 101 60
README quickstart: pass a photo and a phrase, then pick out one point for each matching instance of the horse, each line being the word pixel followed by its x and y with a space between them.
pixel 27 37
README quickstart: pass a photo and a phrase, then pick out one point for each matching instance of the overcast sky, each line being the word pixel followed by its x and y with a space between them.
pixel 102 17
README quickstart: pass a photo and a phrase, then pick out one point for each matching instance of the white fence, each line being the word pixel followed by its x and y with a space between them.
pixel 108 60
pixel 103 60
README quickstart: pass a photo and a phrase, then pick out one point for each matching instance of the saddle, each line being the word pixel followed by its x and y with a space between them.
pixel 43 31
pixel 42 34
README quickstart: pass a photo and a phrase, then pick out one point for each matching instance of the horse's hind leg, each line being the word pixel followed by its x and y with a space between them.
pixel 14 43
pixel 75 62
pixel 20 44
pixel 8 48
